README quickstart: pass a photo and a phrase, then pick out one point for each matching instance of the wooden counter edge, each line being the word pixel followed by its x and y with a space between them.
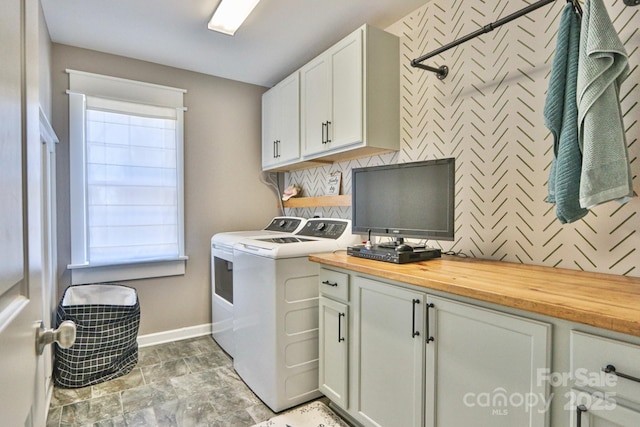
pixel 627 323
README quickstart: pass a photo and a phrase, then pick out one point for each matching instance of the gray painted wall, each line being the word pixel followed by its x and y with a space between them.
pixel 222 167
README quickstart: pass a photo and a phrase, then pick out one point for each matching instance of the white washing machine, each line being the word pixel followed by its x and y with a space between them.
pixel 276 311
pixel 222 274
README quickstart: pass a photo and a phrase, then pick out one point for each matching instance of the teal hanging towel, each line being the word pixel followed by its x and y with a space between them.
pixel 561 118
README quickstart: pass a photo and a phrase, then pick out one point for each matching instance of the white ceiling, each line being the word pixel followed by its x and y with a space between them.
pixel 278 37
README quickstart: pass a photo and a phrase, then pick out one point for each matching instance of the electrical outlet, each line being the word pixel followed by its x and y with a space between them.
pixel 317 214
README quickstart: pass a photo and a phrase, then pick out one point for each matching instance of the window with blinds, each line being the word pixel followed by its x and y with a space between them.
pixel 126 181
pixel 132 196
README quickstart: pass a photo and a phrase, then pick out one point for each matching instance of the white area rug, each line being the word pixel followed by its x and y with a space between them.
pixel 314 414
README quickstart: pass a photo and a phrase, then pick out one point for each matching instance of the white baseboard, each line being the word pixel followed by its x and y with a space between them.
pixel 174 335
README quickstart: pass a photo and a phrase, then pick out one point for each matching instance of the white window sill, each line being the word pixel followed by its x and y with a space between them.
pixel 84 274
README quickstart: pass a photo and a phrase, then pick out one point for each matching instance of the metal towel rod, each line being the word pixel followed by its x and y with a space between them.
pixel 443 70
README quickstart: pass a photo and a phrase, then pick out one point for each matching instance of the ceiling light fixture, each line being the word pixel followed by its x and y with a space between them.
pixel 230 14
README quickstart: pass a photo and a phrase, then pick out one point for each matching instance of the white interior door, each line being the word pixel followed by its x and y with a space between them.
pixel 20 224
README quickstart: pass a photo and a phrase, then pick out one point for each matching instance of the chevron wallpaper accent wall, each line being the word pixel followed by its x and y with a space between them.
pixel 488 114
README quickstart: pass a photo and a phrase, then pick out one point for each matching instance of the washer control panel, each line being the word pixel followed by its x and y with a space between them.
pixel 324 227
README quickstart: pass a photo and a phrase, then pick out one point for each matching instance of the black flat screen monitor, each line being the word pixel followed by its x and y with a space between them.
pixel 405 200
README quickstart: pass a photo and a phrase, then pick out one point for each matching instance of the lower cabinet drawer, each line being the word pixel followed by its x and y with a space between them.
pixel 609 366
pixel 334 284
pixel 595 410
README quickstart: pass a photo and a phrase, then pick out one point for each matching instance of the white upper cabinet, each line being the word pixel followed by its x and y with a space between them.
pixel 350 97
pixel 281 123
pixel 332 97
pixel 346 105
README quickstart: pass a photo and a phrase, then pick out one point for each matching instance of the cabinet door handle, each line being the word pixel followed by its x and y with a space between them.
pixel 429 337
pixel 328 283
pixel 340 337
pixel 328 140
pixel 275 150
pixel 325 132
pixel 579 410
pixel 414 333
pixel 610 369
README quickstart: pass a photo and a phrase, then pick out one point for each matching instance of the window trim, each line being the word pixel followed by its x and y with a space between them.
pixel 81 85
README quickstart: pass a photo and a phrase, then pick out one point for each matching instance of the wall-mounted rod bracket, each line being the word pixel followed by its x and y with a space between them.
pixel 443 70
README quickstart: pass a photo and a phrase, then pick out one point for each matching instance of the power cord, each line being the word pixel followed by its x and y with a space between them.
pixel 267 179
pixel 458 254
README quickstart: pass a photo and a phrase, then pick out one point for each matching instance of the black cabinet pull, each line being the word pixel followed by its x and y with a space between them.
pixel 340 337
pixel 328 140
pixel 326 282
pixel 580 409
pixel 429 337
pixel 610 369
pixel 414 333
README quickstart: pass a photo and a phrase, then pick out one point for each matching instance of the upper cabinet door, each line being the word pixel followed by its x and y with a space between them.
pixel 347 82
pixel 269 116
pixel 316 104
pixel 332 97
pixel 289 129
pixel 281 122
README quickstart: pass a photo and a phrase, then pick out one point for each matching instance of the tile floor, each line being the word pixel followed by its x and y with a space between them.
pixel 179 384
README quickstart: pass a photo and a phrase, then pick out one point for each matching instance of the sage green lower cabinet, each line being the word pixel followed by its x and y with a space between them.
pixel 606 386
pixel 393 354
pixel 484 368
pixel 333 350
pixel 387 379
pixel 599 410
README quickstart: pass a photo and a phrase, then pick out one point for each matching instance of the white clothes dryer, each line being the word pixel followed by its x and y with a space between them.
pixel 222 273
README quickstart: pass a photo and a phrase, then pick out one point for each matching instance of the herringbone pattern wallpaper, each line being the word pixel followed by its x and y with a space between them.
pixel 488 114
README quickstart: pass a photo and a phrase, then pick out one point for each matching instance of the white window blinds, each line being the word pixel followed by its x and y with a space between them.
pixel 132 196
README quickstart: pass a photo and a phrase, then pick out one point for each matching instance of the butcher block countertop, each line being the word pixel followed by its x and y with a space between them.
pixel 605 301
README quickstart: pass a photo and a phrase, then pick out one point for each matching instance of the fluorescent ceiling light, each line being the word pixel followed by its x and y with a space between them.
pixel 230 14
